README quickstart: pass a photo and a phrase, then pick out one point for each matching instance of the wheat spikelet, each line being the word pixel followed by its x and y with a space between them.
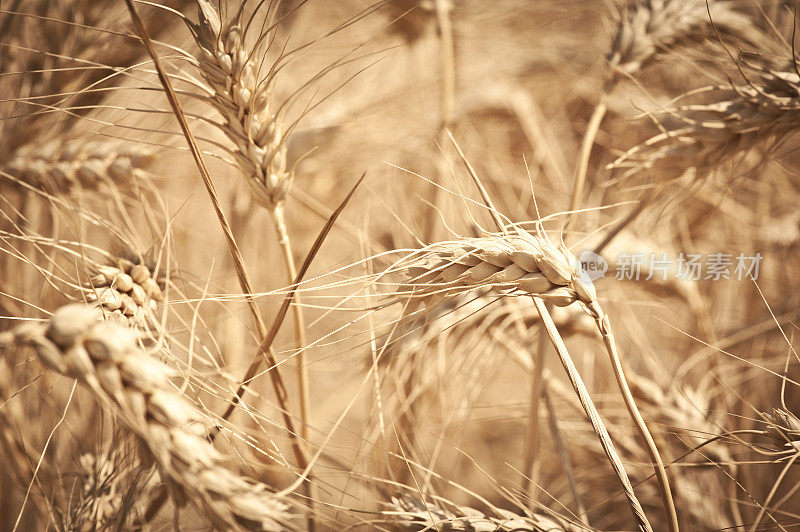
pixel 130 291
pixel 519 262
pixel 415 514
pixel 60 166
pixel 105 358
pixel 703 136
pixel 253 120
pixel 647 27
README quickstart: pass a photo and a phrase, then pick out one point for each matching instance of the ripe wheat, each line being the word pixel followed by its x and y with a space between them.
pixel 105 358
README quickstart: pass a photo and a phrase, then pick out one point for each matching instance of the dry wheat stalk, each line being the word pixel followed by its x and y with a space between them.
pixel 105 358
pixel 648 27
pixel 61 166
pixel 520 262
pixel 254 121
pixel 128 290
pixel 414 514
pixel 700 137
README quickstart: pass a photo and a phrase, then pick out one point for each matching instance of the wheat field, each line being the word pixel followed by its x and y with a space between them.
pixel 399 265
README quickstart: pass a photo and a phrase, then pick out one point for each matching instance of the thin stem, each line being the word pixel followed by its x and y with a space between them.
pixel 284 242
pixel 566 463
pixel 303 388
pixel 531 457
pixel 594 417
pixel 772 492
pixel 587 143
pixel 448 65
pixel 604 326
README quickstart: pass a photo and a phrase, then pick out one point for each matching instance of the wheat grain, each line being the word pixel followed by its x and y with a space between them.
pixel 127 290
pixel 105 358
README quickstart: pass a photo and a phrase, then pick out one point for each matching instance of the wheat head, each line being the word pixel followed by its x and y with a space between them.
pixel 415 514
pixel 60 166
pixel 254 121
pixel 648 27
pixel 701 137
pixel 514 263
pixel 106 359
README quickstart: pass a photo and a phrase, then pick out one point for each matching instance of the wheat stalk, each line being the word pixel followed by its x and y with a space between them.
pixel 415 514
pixel 105 358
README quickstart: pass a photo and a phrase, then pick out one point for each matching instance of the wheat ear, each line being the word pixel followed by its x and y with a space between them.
pixel 129 291
pixel 254 123
pixel 415 514
pixel 647 28
pixel 103 486
pixel 61 166
pixel 530 264
pixel 701 137
pixel 105 358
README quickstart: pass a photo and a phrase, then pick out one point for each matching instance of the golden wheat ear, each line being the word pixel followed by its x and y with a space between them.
pixel 107 360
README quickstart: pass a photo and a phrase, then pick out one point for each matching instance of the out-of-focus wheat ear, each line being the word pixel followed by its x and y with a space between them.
pixel 108 490
pixel 107 360
pixel 411 20
pixel 649 27
pixel 698 138
pixel 59 166
pixel 18 457
pixel 411 513
pixel 686 420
